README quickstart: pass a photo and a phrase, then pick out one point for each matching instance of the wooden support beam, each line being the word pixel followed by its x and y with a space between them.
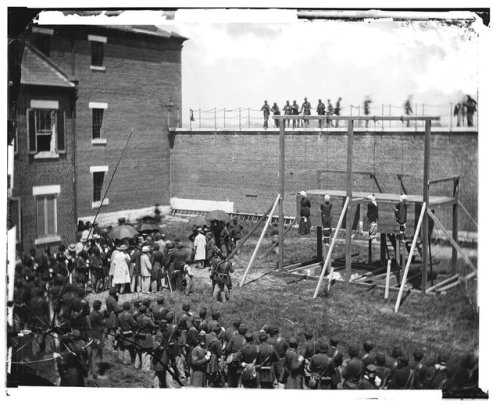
pixel 467 213
pixel 454 234
pixel 441 283
pixel 387 279
pixel 359 117
pixel 330 250
pixel 425 225
pixel 260 240
pixel 412 249
pixel 452 241
pixel 290 226
pixel 348 230
pixel 443 179
pixel 454 284
pixel 281 223
pixel 254 227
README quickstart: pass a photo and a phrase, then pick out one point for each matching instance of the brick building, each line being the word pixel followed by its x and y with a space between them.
pixel 43 195
pixel 126 78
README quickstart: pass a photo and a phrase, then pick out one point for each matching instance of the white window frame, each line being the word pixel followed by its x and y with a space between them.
pixel 98 169
pixel 52 105
pixel 97 38
pixel 42 192
pixel 102 106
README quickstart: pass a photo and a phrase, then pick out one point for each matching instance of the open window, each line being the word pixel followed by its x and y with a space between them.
pixel 46 132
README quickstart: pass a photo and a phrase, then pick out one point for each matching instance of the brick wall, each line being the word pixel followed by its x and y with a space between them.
pixel 139 78
pixel 243 166
pixel 29 172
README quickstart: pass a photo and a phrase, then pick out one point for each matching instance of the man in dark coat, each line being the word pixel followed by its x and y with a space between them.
pixel 247 356
pixel 276 111
pixel 156 268
pixel 96 334
pixel 294 366
pixel 72 363
pixel 369 356
pixel 400 212
pixel 266 356
pixel 281 345
pixel 127 325
pixel 287 110
pixel 200 356
pixel 266 111
pixel 353 370
pixel 181 254
pixel 402 375
pixel 235 343
pixel 305 213
pixel 214 346
pixel 144 339
pixel 321 368
pixel 111 313
pixel 372 214
pixel 471 106
pixel 306 110
pixel 382 373
pixel 420 369
pixel 221 280
pixel 337 111
pixel 321 111
pixel 295 111
pixel 326 218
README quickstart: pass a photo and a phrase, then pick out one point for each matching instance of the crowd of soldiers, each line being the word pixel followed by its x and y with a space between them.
pixel 178 348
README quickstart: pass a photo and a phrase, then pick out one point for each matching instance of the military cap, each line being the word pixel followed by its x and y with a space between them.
pixel 380 359
pixel 203 311
pixel 137 303
pixel 323 346
pixel 160 299
pixel 169 317
pixel 97 304
pixel 186 307
pixel 112 291
pixel 293 342
pixel 368 345
pixel 216 316
pixel 442 358
pixel 353 350
pixel 146 302
pixel 397 352
pixel 143 309
pixel 249 336
pixel 308 334
pixel 403 360
pixel 371 368
pixel 418 354
pixel 126 305
pixel 237 323
pixel 262 336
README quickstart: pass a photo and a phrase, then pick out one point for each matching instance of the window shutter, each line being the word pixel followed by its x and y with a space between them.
pixel 32 146
pixel 61 132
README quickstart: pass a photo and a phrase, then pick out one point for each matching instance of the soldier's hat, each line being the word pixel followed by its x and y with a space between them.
pixel 186 307
pixel 293 342
pixel 147 302
pixel 308 334
pixel 160 299
pixel 262 335
pixel 371 368
pixel 169 317
pixel 97 304
pixel 242 329
pixel 249 336
pixel 143 309
pixel 137 304
pixel 112 291
pixel 126 305
pixel 380 359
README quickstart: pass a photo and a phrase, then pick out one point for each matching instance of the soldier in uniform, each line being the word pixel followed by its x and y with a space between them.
pixel 234 344
pixel 276 111
pixel 321 368
pixel 309 349
pixel 281 346
pixel 247 356
pixel 321 111
pixel 72 363
pixel 266 111
pixel 294 366
pixel 266 357
pixel 287 110
pixel 200 356
pixel 222 277
pixel 127 325
pixel 96 333
pixel 144 339
pixel 306 110
pixel 420 369
pixel 111 313
pixel 382 373
pixel 337 111
pixel 402 375
pixel 329 113
pixel 214 346
pixel 353 369
pixel 157 308
pixel 214 322
pixel 367 381
pixel 295 111
pixel 368 357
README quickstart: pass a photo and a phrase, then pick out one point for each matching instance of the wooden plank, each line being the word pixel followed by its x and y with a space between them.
pixel 359 117
pixel 350 136
pixel 425 224
pixel 387 279
pixel 281 222
pixel 290 226
pixel 468 213
pixel 454 284
pixel 260 241
pixel 407 268
pixel 443 179
pixel 452 241
pixel 330 250
pixel 441 283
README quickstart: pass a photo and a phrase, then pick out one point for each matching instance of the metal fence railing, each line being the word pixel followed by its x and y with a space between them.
pixel 246 117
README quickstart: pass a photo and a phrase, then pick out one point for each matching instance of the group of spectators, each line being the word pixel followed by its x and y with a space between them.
pixel 179 348
pixel 463 109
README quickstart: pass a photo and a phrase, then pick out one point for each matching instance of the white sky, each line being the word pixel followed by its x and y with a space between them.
pixel 234 59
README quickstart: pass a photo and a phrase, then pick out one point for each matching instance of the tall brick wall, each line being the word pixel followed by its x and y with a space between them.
pixel 140 75
pixel 243 167
pixel 29 172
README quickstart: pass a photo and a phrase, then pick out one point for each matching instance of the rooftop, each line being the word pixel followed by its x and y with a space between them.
pixel 37 69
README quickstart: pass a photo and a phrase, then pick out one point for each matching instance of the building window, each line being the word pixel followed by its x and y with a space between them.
pixel 46 216
pixel 96 53
pixel 97 114
pixel 42 39
pixel 98 173
pixel 98 183
pixel 46 130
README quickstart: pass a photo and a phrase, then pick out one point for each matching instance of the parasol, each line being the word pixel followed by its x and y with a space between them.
pixel 122 232
pixel 218 215
pixel 197 221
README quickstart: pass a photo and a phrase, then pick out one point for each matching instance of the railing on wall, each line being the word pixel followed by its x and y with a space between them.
pixel 246 117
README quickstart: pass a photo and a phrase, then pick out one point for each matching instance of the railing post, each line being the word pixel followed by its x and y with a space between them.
pixel 390 114
pixel 199 116
pixel 178 118
pixel 224 122
pixel 239 116
pixel 382 116
pixel 215 118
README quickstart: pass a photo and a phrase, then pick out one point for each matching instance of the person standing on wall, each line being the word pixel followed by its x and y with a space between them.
pixel 471 106
pixel 266 110
pixel 337 111
pixel 305 213
pixel 295 111
pixel 329 113
pixel 408 109
pixel 366 106
pixel 321 111
pixel 276 111
pixel 287 110
pixel 306 110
